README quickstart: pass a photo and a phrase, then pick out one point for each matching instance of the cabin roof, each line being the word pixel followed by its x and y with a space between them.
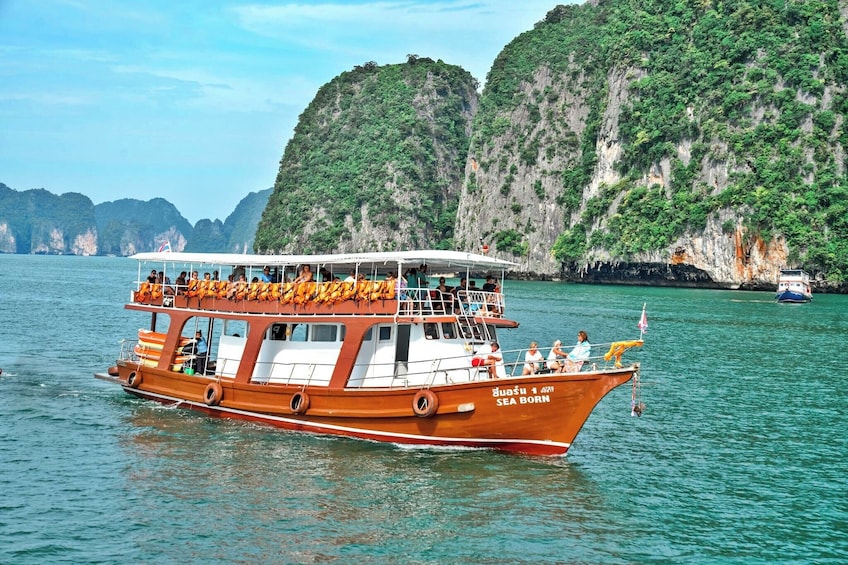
pixel 433 258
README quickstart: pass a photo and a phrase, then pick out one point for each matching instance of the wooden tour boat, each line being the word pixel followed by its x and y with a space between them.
pixel 356 354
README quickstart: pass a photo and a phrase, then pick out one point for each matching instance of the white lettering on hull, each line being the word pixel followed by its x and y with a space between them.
pixel 519 395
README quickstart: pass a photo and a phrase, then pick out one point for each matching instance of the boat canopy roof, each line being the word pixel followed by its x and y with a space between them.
pixel 433 258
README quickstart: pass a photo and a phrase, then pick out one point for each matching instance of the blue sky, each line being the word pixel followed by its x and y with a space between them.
pixel 194 101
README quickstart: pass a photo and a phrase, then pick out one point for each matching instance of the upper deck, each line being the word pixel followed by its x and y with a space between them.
pixel 323 285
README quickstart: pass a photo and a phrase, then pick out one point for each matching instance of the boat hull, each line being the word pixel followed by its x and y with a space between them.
pixel 539 415
pixel 793 297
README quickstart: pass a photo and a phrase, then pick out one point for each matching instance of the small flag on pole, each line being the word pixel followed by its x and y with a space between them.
pixel 165 247
pixel 643 321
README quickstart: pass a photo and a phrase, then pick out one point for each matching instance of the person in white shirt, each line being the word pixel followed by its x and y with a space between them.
pixel 532 360
pixel 492 359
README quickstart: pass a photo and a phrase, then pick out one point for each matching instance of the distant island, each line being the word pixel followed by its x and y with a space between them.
pixel 38 221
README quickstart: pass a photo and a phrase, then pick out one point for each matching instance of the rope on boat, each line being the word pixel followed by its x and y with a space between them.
pixel 636 404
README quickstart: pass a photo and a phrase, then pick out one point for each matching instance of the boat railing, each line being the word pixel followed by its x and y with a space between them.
pixel 408 374
pixel 127 352
pixel 425 373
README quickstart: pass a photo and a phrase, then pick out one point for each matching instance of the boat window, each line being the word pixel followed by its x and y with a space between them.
pixel 385 333
pixel 448 330
pixel 299 332
pixel 431 331
pixel 235 328
pixel 277 332
pixel 324 332
pixel 369 335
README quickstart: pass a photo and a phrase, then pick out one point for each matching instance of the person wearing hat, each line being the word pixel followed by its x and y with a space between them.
pixel 554 363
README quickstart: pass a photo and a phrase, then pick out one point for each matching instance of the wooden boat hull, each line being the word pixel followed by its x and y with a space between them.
pixel 539 415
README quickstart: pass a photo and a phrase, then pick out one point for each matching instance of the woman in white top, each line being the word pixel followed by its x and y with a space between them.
pixel 532 360
pixel 553 357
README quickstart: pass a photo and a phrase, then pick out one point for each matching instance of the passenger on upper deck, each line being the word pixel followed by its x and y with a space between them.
pixel 492 288
pixel 237 287
pixel 423 281
pixel 152 278
pixel 165 282
pixel 181 282
pixel 443 299
pixel 305 275
pixel 460 295
pixel 266 275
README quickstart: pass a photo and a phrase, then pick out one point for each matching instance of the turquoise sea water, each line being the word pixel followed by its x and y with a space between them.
pixel 740 456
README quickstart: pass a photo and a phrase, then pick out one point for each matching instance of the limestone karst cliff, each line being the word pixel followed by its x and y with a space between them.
pixel 708 135
pixel 375 162
pixel 705 136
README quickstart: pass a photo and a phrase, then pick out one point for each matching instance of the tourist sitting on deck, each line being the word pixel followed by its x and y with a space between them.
pixel 181 282
pixel 266 275
pixel 577 356
pixel 460 295
pixel 492 359
pixel 166 283
pixel 532 360
pixel 305 275
pixel 554 363
pixel 442 297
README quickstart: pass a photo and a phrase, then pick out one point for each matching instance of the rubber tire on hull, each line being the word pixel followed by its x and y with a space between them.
pixel 299 402
pixel 213 394
pixel 134 379
pixel 425 403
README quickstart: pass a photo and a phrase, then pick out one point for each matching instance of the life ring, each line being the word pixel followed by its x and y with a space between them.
pixel 143 293
pixel 287 293
pixel 213 394
pixel 134 379
pixel 425 403
pixel 299 402
pixel 193 288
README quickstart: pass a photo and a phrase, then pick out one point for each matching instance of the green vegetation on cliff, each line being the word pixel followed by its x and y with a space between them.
pixel 756 88
pixel 379 151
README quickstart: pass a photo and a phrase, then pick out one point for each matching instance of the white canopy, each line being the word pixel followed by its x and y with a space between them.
pixel 434 259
